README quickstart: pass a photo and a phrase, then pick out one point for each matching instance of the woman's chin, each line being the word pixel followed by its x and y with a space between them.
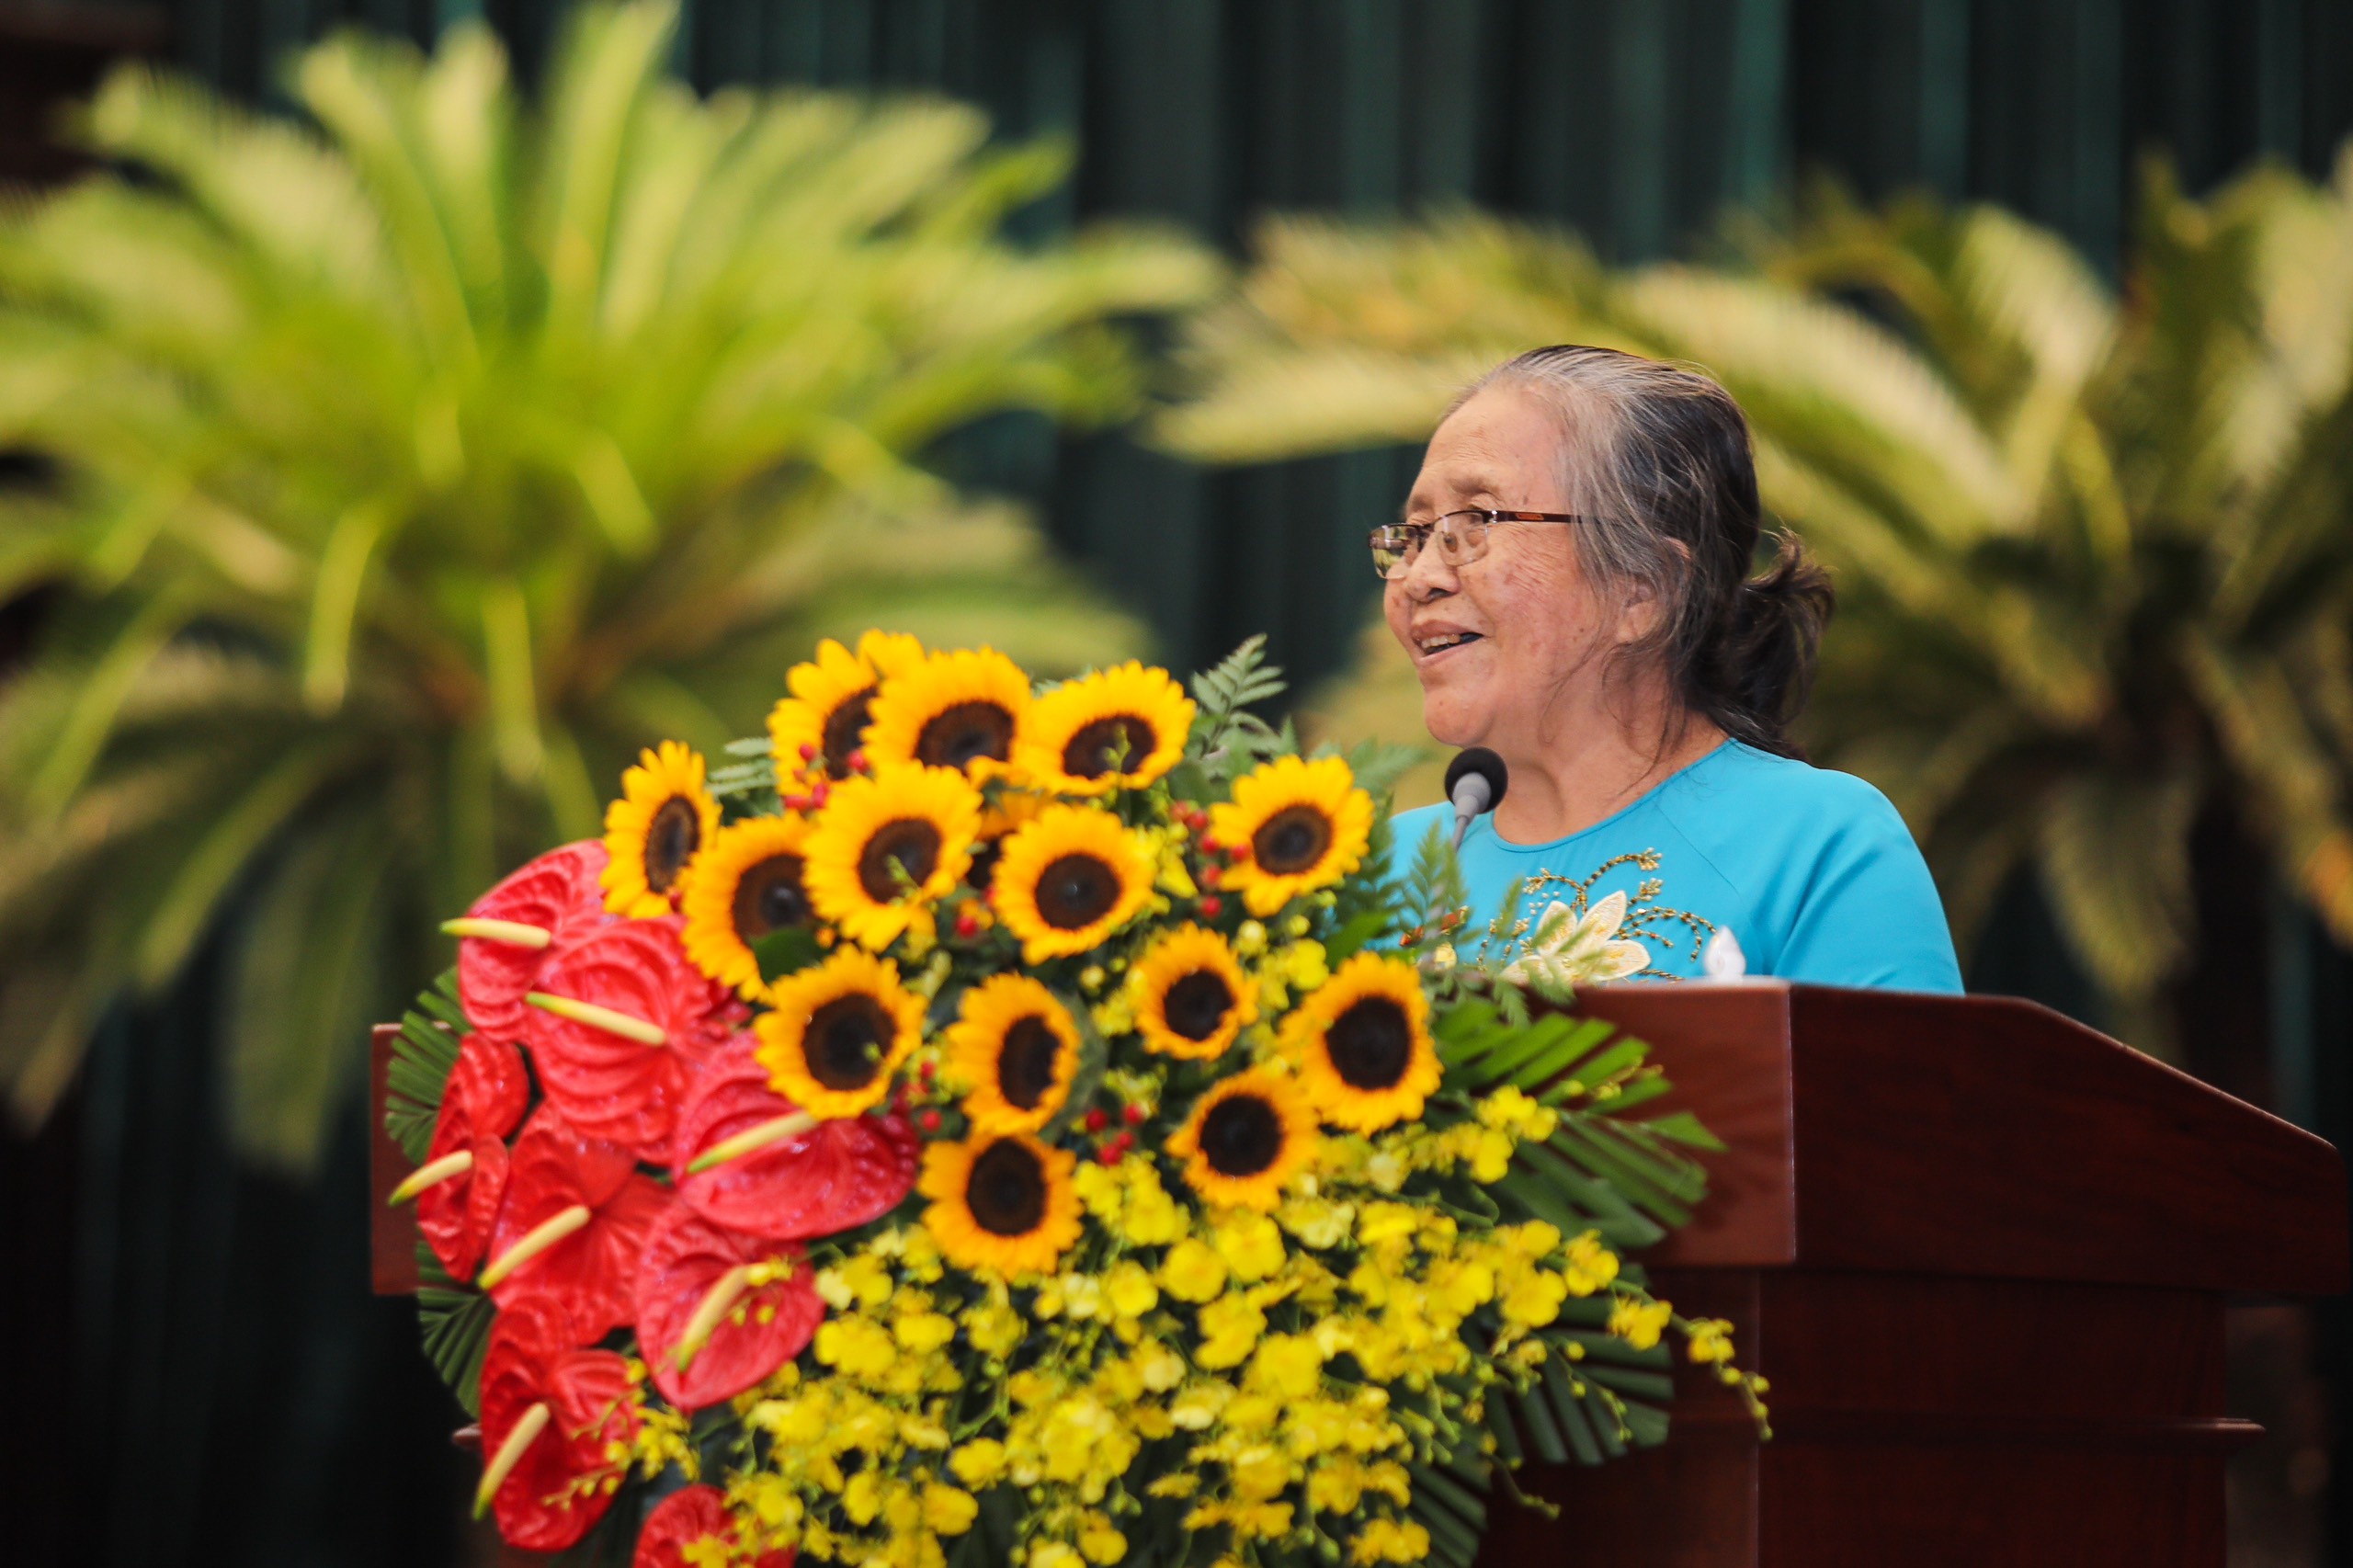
pixel 1451 721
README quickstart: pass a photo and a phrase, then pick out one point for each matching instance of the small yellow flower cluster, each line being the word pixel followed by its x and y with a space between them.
pixel 854 1462
pixel 662 1436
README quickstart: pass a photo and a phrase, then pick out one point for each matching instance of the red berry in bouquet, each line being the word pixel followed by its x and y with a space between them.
pixel 718 1310
pixel 688 1516
pixel 548 1412
pixel 573 1226
pixel 619 1019
pixel 750 1160
pixel 464 1174
pixel 505 937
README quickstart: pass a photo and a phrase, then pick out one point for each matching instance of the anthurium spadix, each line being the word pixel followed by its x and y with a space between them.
pixel 747 1159
pixel 617 1023
pixel 464 1180
pixel 718 1310
pixel 548 1412
pixel 574 1222
pixel 503 940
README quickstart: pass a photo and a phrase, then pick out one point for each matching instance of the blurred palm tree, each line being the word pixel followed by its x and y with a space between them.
pixel 2093 546
pixel 398 474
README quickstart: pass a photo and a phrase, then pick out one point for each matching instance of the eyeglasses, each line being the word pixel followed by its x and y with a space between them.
pixel 1461 536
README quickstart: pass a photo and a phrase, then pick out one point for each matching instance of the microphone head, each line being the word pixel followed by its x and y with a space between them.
pixel 1478 762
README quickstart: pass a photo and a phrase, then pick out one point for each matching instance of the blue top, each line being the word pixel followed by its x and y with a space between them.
pixel 1813 872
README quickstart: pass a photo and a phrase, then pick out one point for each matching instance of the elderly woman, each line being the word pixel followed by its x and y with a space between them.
pixel 1573 582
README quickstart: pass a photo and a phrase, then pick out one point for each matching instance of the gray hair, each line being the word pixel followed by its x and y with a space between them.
pixel 1658 455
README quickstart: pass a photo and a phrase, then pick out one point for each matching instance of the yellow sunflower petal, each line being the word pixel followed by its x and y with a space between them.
pixel 1247 1138
pixel 960 709
pixel 1001 1203
pixel 824 719
pixel 1016 1048
pixel 1069 879
pixel 1119 729
pixel 746 885
pixel 652 833
pixel 1302 825
pixel 837 1033
pixel 1363 1046
pixel 1192 998
pixel 886 848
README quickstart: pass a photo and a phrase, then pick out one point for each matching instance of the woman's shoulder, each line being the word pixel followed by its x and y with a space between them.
pixel 1747 788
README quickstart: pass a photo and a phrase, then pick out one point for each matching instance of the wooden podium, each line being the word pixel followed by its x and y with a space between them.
pixel 1980 1252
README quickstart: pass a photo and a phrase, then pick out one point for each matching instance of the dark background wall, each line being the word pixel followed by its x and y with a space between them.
pixel 200 1375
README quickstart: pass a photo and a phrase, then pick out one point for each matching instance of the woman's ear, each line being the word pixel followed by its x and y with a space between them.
pixel 1641 612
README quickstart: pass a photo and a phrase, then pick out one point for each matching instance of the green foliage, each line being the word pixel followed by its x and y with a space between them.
pixel 456 1322
pixel 1229 740
pixel 417 462
pixel 2090 543
pixel 419 1070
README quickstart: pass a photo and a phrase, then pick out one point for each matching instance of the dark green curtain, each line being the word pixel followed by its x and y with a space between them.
pixel 207 1380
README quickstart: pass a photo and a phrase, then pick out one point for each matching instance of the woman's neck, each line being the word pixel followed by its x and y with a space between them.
pixel 1591 770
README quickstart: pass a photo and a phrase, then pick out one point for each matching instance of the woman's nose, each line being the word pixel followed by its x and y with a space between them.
pixel 1427 575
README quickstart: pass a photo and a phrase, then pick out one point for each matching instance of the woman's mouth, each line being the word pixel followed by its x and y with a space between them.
pixel 1430 647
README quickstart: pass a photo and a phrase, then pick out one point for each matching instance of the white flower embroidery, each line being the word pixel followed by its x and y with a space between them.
pixel 1565 953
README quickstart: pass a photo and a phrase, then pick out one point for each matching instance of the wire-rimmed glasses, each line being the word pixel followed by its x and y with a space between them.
pixel 1461 536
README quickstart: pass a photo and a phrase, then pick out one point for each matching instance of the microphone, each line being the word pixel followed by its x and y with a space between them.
pixel 1474 782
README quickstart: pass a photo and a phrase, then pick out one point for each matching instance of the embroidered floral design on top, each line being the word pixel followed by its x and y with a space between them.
pixel 1581 940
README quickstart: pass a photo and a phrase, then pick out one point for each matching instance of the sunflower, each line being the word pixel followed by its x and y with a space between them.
pixel 1003 1202
pixel 1120 728
pixel 1302 825
pixel 1192 998
pixel 961 710
pixel 745 885
pixel 1069 879
pixel 837 1033
pixel 1245 1140
pixel 831 694
pixel 1363 1046
pixel 664 816
pixel 1018 1048
pixel 887 847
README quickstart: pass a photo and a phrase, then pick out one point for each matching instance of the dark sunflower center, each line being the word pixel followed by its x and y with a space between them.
pixel 844 726
pixel 1006 1190
pixel 1116 744
pixel 959 735
pixel 1291 840
pixel 1196 1005
pixel 1025 1062
pixel 910 843
pixel 846 1041
pixel 671 840
pixel 1241 1136
pixel 769 897
pixel 1370 1043
pixel 1076 891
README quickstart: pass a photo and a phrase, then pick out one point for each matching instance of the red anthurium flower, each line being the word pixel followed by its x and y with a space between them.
pixel 718 1310
pixel 765 1173
pixel 573 1227
pixel 485 1099
pixel 689 1515
pixel 620 1022
pixel 548 1412
pixel 507 935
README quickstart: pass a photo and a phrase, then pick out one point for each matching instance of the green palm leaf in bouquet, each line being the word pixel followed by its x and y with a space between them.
pixel 407 466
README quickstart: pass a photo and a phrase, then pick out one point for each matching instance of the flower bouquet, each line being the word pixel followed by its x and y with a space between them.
pixel 1013 1125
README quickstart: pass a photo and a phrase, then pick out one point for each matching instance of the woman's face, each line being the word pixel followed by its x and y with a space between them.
pixel 1509 638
